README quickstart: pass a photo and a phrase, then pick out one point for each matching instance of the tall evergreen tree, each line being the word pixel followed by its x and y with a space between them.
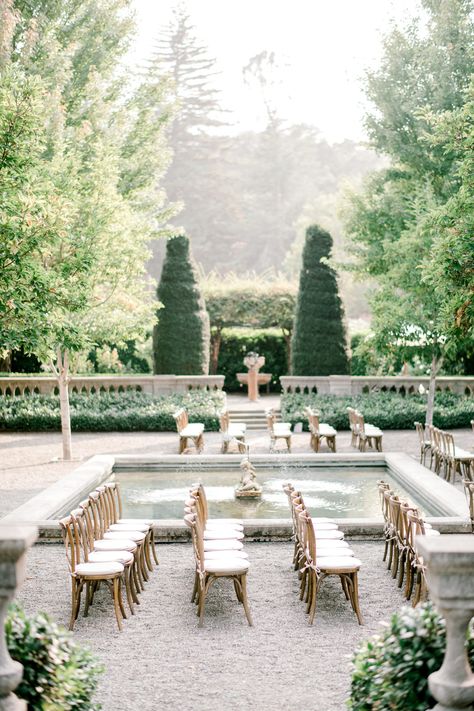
pixel 318 344
pixel 181 338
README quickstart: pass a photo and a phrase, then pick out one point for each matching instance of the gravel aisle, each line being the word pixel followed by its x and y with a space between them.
pixel 163 661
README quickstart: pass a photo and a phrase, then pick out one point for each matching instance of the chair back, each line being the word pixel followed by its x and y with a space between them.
pixel 448 444
pixel 71 542
pixel 224 421
pixel 115 498
pixel 359 423
pixel 270 417
pixel 384 488
pixel 469 491
pixel 421 433
pixel 181 419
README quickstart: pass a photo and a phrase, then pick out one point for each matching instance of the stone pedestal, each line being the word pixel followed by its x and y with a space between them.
pixel 14 542
pixel 253 362
pixel 450 576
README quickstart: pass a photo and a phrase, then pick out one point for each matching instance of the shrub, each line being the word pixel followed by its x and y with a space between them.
pixel 318 343
pixel 390 670
pixel 236 343
pixel 111 412
pixel 181 337
pixel 58 674
pixel 389 411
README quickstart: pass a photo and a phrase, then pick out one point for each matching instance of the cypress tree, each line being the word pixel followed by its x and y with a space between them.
pixel 318 343
pixel 181 337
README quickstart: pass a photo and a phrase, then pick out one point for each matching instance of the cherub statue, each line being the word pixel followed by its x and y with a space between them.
pixel 248 481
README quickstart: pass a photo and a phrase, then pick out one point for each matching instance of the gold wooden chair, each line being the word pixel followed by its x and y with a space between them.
pixel 424 439
pixel 278 430
pixel 232 432
pixel 186 430
pixel 383 487
pixel 418 567
pixel 469 490
pixel 368 434
pixel 319 431
pixel 457 460
pixel 317 567
pixel 88 574
pixel 209 570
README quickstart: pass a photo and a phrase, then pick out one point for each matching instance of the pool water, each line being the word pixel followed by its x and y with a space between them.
pixel 341 492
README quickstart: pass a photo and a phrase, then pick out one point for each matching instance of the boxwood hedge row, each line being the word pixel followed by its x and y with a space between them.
pixel 111 412
pixel 389 411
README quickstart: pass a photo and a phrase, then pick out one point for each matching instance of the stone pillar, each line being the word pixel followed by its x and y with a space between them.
pixel 253 362
pixel 450 576
pixel 14 542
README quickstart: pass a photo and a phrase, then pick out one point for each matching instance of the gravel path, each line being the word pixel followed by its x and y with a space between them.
pixel 163 661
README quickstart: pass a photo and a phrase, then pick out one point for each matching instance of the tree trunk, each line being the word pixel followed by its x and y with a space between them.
pixel 216 339
pixel 287 337
pixel 62 374
pixel 435 365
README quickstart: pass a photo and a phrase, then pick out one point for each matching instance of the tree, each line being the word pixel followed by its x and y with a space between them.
pixel 424 70
pixel 318 345
pixel 252 300
pixel 181 337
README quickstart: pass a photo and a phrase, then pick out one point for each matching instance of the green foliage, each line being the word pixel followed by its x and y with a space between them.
pixel 390 670
pixel 389 411
pixel 58 675
pixel 111 412
pixel 181 337
pixel 318 343
pixel 235 343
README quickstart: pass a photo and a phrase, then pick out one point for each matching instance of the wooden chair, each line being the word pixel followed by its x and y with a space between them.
pixel 418 528
pixel 368 434
pixel 353 425
pixel 232 432
pixel 469 489
pixel 209 570
pixel 384 488
pixel 186 430
pixel 319 431
pixel 318 567
pixel 457 459
pixel 424 439
pixel 89 574
pixel 278 430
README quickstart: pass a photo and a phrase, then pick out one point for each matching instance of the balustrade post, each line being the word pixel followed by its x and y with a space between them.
pixel 450 576
pixel 14 542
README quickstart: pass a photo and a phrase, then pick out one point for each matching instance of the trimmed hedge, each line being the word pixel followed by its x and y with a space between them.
pixel 237 342
pixel 389 411
pixel 111 412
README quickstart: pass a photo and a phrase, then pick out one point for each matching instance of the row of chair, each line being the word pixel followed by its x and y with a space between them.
pixel 402 523
pixel 363 434
pixel 444 454
pixel 103 547
pixel 320 551
pixel 218 552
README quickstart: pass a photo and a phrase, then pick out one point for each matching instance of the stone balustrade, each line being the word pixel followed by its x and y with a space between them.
pixel 360 384
pixel 18 386
pixel 449 564
pixel 14 543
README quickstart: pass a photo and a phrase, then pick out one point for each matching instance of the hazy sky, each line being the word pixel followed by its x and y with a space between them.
pixel 324 45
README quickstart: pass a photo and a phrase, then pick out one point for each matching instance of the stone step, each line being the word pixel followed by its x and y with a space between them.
pixel 254 419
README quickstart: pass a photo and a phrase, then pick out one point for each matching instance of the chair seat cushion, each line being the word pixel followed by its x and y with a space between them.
pixel 326 430
pixel 123 557
pixel 431 532
pixel 213 525
pixel 229 565
pixel 119 544
pixel 322 519
pixel 236 428
pixel 321 526
pixel 337 562
pixel 98 569
pixel 192 430
pixel 129 527
pixel 219 555
pixel 372 431
pixel 136 536
pixel 222 534
pixel 225 521
pixel 323 551
pixel 320 535
pixel 335 544
pixel 139 521
pixel 227 545
pixel 462 453
pixel 282 429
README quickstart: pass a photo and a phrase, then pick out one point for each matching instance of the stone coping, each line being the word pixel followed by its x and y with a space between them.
pixel 44 508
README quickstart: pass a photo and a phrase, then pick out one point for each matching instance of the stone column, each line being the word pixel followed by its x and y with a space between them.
pixel 253 362
pixel 14 542
pixel 450 576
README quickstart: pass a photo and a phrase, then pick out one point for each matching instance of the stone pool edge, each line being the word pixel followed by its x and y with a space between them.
pixel 43 509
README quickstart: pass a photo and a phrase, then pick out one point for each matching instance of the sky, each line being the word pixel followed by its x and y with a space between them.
pixel 323 47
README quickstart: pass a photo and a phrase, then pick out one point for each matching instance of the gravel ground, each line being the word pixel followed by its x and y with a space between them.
pixel 162 660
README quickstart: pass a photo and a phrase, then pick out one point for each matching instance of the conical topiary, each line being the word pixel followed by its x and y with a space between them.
pixel 181 336
pixel 318 343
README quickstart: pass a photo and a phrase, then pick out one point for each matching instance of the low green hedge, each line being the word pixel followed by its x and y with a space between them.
pixel 58 674
pixel 389 411
pixel 390 670
pixel 111 412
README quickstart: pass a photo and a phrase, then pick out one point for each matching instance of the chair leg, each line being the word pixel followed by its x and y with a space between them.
pixel 312 609
pixel 115 596
pixel 88 598
pixel 245 601
pixel 202 600
pixel 355 597
pixel 238 590
pixel 128 589
pixel 76 588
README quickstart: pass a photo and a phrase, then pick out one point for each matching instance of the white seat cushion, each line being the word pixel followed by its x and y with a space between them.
pixel 372 431
pixel 228 545
pixel 326 430
pixel 98 569
pixel 320 535
pixel 213 525
pixel 431 532
pixel 325 551
pixel 335 544
pixel 229 566
pixel 222 534
pixel 120 544
pixel 129 527
pixel 225 521
pixel 219 555
pixel 136 536
pixel 320 526
pixel 462 453
pixel 282 429
pixel 192 430
pixel 237 428
pixel 123 557
pixel 337 562
pixel 139 521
